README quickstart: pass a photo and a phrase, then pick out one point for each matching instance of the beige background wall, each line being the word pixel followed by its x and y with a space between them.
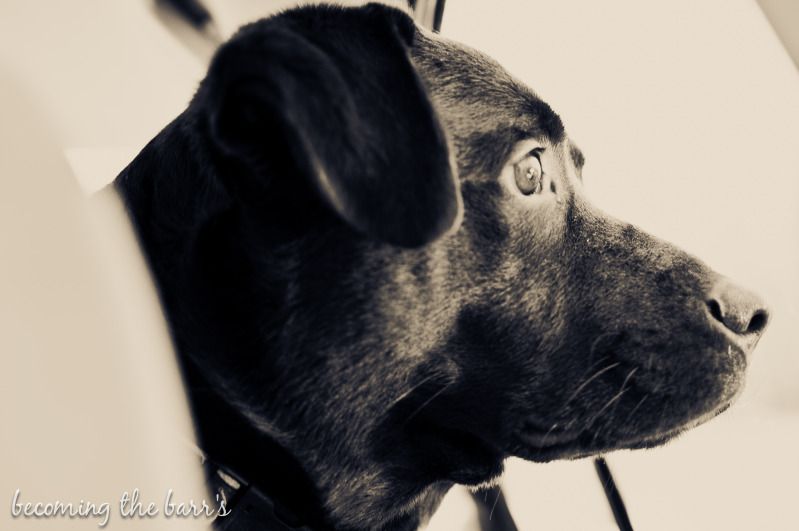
pixel 688 112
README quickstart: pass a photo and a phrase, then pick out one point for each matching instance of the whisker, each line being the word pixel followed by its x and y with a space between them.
pixel 627 378
pixel 586 371
pixel 623 388
pixel 426 403
pixel 609 421
pixel 407 393
pixel 548 433
pixel 633 410
pixel 589 380
pixel 491 513
pixel 590 367
pixel 615 401
pixel 571 423
pixel 595 363
pixel 609 403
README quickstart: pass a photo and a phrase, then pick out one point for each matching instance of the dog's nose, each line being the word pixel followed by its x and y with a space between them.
pixel 738 309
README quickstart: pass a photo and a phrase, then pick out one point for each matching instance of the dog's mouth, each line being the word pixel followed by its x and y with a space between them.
pixel 633 414
pixel 535 444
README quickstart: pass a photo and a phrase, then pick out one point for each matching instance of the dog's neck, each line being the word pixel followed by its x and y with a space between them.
pixel 274 488
pixel 202 275
pixel 276 483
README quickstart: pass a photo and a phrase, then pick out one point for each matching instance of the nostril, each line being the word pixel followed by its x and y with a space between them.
pixel 758 322
pixel 715 310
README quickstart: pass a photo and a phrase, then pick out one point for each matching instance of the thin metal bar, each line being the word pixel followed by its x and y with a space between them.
pixel 613 495
pixel 438 16
pixel 428 13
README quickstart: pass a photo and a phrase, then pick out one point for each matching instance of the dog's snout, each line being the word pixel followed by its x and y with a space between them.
pixel 737 309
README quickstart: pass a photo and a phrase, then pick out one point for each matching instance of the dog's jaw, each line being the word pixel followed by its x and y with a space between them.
pixel 543 446
pixel 643 413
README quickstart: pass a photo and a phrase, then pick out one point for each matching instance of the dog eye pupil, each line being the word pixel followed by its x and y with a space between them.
pixel 529 175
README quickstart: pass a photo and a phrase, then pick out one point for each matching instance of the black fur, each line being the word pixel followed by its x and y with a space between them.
pixel 332 317
pixel 346 109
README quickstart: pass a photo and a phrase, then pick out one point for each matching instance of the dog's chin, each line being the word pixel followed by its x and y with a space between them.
pixel 543 446
pixel 643 418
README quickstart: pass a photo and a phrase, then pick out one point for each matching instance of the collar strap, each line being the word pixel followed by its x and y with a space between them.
pixel 248 506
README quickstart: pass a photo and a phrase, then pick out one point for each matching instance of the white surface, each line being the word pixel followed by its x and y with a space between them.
pixel 688 112
pixel 90 397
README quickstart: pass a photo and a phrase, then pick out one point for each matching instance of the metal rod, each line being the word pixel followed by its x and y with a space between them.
pixel 428 13
pixel 613 495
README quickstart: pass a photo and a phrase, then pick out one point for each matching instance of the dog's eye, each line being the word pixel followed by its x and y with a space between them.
pixel 529 174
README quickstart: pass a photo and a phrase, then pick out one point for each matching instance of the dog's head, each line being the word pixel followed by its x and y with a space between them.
pixel 409 280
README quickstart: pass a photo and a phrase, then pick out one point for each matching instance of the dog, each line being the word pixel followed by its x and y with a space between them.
pixel 383 277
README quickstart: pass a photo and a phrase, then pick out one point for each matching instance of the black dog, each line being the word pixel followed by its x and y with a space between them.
pixel 383 278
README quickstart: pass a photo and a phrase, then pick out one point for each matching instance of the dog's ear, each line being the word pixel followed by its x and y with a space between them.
pixel 335 87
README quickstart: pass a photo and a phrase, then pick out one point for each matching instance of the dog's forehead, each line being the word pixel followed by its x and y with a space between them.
pixel 483 107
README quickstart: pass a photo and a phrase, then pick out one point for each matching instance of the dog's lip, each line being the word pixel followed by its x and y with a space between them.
pixel 541 445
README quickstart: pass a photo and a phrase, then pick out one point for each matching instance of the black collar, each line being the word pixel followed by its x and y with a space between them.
pixel 264 485
pixel 247 507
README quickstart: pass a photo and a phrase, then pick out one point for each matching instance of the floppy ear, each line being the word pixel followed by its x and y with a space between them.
pixel 337 86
